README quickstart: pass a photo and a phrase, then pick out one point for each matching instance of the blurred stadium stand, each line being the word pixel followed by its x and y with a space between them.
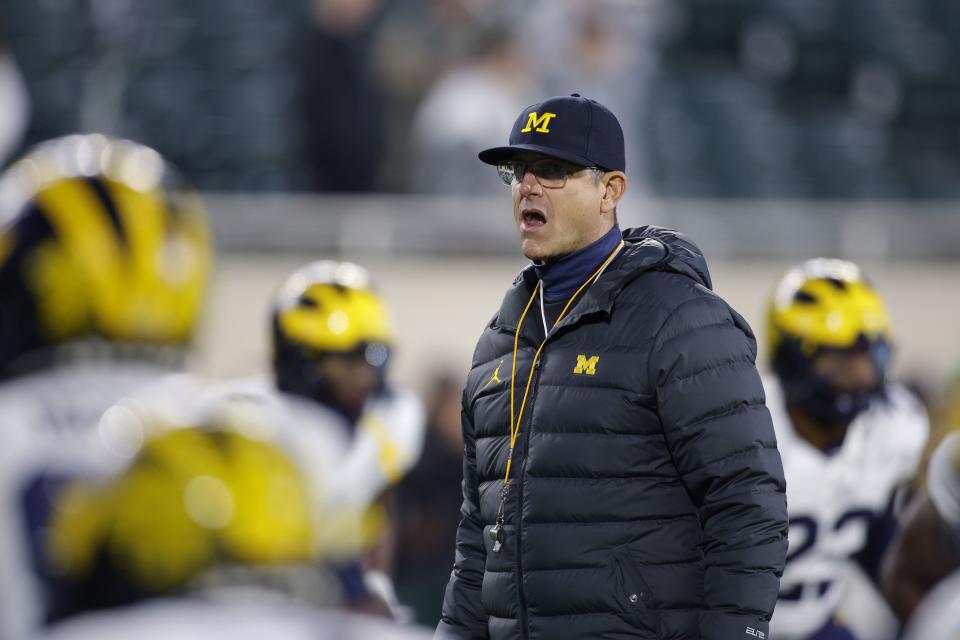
pixel 818 99
pixel 208 82
pixel 448 225
pixel 807 99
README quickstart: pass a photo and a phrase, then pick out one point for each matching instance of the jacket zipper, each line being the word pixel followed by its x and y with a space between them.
pixel 538 366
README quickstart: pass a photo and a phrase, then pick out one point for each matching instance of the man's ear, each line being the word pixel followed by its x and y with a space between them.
pixel 615 185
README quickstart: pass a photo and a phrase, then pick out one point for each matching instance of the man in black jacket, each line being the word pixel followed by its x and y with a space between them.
pixel 621 474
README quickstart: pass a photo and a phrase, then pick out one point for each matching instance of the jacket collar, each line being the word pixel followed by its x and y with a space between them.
pixel 559 280
pixel 638 255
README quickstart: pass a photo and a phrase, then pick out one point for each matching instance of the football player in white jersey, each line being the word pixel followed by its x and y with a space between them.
pixel 928 547
pixel 848 436
pixel 331 339
pixel 210 532
pixel 329 405
pixel 104 256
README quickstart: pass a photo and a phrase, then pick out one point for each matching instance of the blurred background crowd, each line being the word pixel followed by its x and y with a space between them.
pixel 739 98
pixel 768 130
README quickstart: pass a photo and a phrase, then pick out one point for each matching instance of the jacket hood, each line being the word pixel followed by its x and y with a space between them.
pixel 679 253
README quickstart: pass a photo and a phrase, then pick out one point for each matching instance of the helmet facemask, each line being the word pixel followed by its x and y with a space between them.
pixel 829 341
pixel 818 394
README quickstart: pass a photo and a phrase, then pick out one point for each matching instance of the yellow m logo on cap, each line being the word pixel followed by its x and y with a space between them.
pixel 586 365
pixel 537 122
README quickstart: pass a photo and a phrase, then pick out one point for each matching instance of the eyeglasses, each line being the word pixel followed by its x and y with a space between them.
pixel 552 174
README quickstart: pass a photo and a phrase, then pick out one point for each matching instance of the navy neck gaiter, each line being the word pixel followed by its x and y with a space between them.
pixel 560 279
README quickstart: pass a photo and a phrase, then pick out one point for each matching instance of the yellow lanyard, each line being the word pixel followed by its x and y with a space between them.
pixel 515 423
pixel 497 533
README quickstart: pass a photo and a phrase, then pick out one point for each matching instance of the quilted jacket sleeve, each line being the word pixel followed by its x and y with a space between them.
pixel 719 433
pixel 463 616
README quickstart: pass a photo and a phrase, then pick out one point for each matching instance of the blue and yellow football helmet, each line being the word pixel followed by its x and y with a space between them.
pixel 327 308
pixel 194 500
pixel 825 304
pixel 99 238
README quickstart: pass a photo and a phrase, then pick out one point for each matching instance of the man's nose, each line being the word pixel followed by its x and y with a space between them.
pixel 529 183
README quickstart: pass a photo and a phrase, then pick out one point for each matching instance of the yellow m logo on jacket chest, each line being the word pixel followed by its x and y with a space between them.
pixel 586 365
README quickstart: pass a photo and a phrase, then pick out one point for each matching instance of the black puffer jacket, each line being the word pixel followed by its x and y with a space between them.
pixel 647 494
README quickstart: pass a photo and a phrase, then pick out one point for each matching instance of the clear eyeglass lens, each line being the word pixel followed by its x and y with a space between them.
pixel 505 171
pixel 550 173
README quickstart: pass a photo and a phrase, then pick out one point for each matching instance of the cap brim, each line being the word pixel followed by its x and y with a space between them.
pixel 496 155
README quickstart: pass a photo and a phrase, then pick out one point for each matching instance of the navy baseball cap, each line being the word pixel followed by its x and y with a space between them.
pixel 571 128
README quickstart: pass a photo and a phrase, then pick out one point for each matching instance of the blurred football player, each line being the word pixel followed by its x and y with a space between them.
pixel 210 532
pixel 330 402
pixel 848 435
pixel 104 257
pixel 332 342
pixel 928 547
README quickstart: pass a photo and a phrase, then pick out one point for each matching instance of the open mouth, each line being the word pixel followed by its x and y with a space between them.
pixel 532 218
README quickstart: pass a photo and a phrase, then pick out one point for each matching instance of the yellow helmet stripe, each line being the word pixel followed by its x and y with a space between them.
pixel 91 242
pixel 336 319
pixel 146 284
pixel 824 311
pixel 160 273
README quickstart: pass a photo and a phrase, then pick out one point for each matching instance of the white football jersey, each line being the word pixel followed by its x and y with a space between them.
pixel 51 426
pixel 832 499
pixel 190 619
pixel 357 465
pixel 386 446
